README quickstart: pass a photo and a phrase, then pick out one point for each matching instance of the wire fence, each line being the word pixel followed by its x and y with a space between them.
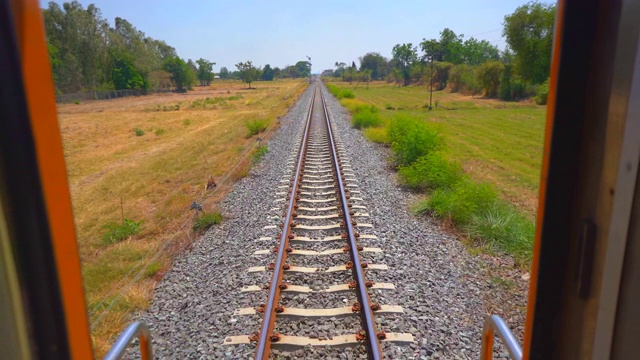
pixel 105 95
pixel 103 307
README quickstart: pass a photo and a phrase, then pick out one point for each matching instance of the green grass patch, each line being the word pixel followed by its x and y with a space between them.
pixel 203 103
pixel 431 171
pixel 259 153
pixel 366 116
pixel 461 201
pixel 116 233
pixel 377 135
pixel 501 227
pixel 341 93
pixel 138 131
pixel 159 131
pixel 255 127
pixel 207 220
pixel 186 122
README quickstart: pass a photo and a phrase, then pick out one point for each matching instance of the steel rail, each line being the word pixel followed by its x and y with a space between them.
pixel 374 351
pixel 264 342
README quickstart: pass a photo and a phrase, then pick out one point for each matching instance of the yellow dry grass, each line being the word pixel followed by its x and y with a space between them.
pixel 187 139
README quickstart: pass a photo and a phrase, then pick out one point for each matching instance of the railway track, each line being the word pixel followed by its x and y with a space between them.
pixel 324 222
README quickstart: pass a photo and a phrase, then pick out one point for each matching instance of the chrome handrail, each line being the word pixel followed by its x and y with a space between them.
pixel 138 329
pixel 492 324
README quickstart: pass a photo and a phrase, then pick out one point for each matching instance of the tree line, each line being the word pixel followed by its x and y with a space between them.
pixel 470 65
pixel 87 54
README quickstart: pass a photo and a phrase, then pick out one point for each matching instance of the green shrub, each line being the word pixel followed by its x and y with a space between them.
pixel 258 154
pixel 186 122
pixel 77 102
pixel 389 107
pixel 207 220
pixel 542 93
pixel 502 227
pixel 255 127
pixel 365 116
pixel 488 77
pixel 346 94
pixel 138 131
pixel 118 232
pixel 431 171
pixel 460 202
pixel 412 138
pixel 462 78
pixel 159 131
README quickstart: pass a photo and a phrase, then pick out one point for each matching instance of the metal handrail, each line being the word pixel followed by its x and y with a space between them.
pixel 138 329
pixel 492 324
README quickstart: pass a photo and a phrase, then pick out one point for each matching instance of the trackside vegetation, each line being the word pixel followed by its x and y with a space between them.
pixel 420 152
pixel 468 65
pixel 207 220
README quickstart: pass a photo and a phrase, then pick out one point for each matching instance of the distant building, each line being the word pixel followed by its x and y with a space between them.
pixel 328 72
pixel 216 77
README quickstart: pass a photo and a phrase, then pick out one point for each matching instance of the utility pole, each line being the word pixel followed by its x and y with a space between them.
pixel 309 61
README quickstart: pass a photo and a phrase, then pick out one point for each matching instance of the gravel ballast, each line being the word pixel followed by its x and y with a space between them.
pixel 445 291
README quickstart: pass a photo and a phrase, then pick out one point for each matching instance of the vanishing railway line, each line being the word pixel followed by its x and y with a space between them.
pixel 322 208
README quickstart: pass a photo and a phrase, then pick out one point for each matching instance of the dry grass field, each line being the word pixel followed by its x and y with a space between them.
pixel 147 159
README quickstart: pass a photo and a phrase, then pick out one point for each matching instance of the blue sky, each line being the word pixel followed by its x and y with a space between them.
pixel 281 33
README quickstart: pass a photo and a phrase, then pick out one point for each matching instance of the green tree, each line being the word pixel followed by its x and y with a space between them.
pixel 404 58
pixel 205 71
pixel 125 76
pixel 277 72
pixel 340 68
pixel 80 36
pixel 267 73
pixel 54 59
pixel 451 47
pixel 248 72
pixel 181 74
pixel 376 63
pixel 291 72
pixel 349 74
pixel 431 49
pixel 224 73
pixel 304 68
pixel 476 52
pixel 87 50
pixel 529 33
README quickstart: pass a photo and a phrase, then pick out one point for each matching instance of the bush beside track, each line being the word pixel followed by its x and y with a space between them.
pixel 419 152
